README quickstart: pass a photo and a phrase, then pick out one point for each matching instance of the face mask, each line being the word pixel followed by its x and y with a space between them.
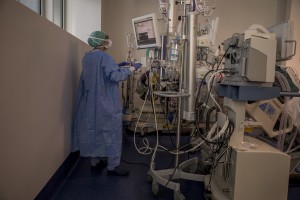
pixel 109 45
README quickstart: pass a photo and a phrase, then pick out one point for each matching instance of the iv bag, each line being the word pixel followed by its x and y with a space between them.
pixel 174 52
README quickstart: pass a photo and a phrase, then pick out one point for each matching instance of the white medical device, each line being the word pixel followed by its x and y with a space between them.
pixel 252 169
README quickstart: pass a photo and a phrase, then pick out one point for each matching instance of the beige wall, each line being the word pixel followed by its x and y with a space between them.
pixel 116 21
pixel 39 69
pixel 235 16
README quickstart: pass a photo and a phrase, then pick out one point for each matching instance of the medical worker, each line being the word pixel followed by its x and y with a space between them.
pixel 97 122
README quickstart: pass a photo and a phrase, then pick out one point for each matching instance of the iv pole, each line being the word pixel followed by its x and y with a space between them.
pixel 164 177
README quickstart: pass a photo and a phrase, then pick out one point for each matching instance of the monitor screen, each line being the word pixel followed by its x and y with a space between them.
pixel 146 32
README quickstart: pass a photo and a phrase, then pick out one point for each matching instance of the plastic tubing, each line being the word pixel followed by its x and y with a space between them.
pixel 293 140
pixel 284 116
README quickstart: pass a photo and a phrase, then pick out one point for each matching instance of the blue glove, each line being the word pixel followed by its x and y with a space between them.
pixel 123 64
pixel 137 66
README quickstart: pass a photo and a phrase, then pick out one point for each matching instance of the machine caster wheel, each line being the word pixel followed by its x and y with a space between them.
pixel 178 196
pixel 155 188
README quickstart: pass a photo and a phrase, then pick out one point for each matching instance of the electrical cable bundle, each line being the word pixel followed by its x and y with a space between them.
pixel 216 137
pixel 147 149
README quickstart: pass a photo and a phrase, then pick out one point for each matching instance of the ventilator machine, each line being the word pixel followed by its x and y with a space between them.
pixel 233 97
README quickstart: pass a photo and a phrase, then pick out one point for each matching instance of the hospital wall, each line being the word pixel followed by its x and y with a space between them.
pixel 40 66
pixel 235 16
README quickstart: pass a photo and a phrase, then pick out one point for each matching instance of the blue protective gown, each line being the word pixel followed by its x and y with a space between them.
pixel 97 121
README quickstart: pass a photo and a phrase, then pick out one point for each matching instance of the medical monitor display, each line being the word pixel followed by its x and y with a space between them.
pixel 285 40
pixel 146 32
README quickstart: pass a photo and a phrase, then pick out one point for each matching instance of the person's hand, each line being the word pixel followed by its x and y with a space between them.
pixel 137 66
pixel 121 64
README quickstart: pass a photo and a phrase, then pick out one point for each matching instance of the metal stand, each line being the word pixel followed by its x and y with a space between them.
pixel 164 177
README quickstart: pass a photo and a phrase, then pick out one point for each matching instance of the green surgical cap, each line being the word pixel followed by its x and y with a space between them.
pixel 96 38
